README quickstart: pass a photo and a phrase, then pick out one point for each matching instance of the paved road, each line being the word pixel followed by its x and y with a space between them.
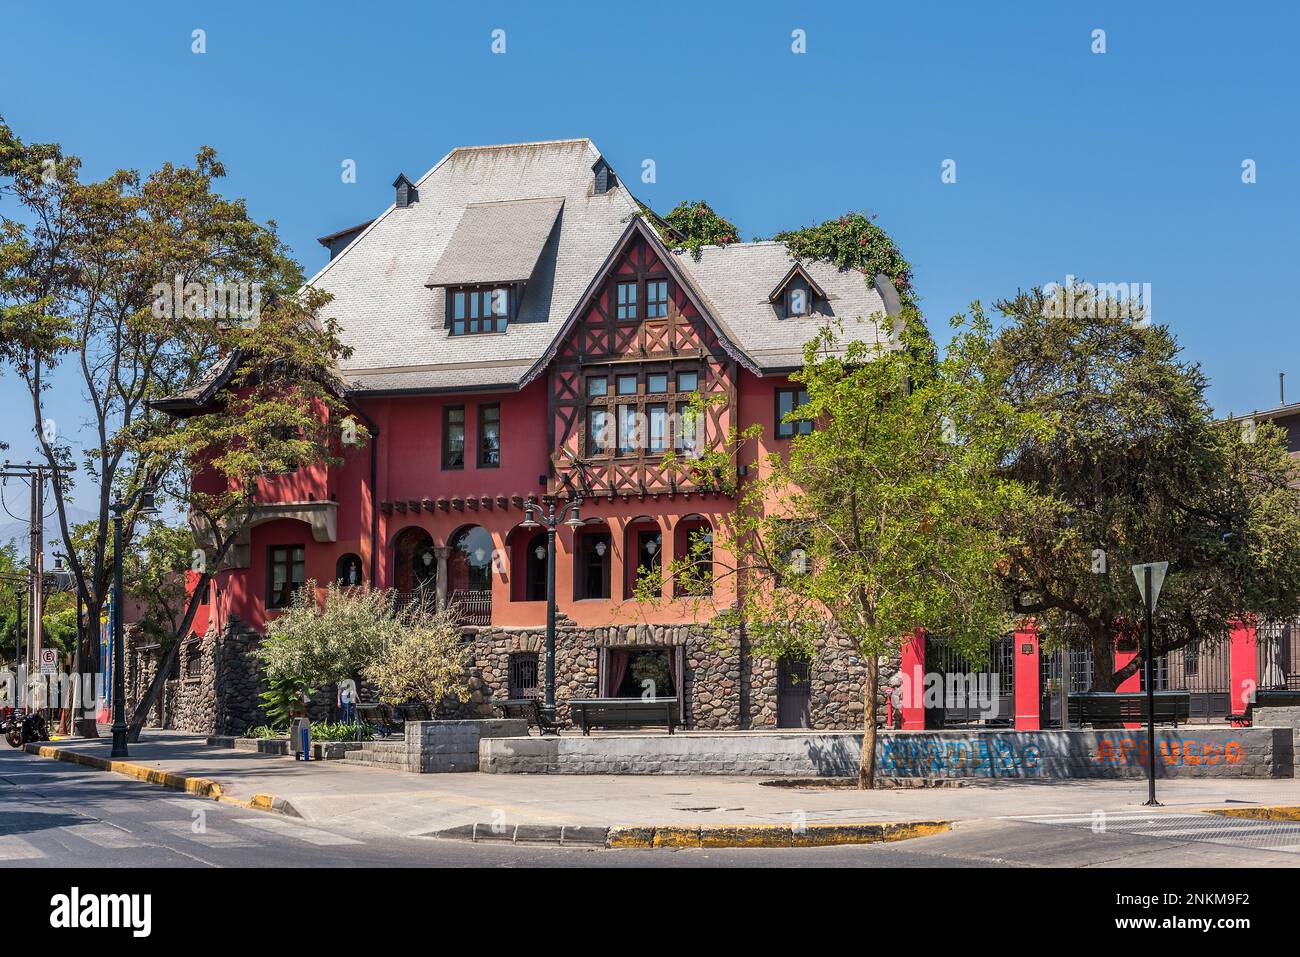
pixel 58 814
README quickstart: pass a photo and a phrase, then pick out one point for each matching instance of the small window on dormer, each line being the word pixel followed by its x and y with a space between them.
pixel 479 309
pixel 798 301
pixel 796 295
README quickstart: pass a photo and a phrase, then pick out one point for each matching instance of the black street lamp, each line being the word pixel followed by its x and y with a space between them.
pixel 119 683
pixel 550 518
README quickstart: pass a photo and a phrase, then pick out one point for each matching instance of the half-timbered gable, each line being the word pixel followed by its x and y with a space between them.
pixel 624 375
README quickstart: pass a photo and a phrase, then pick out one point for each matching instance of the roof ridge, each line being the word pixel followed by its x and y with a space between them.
pixel 506 146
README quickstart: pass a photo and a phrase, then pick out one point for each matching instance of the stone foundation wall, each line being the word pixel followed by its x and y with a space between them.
pixel 989 755
pixel 726 688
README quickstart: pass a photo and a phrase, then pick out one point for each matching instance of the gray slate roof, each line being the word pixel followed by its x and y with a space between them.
pixel 476 252
pixel 738 279
pixel 538 199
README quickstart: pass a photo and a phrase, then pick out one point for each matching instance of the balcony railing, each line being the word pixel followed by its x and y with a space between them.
pixel 469 607
pixel 472 607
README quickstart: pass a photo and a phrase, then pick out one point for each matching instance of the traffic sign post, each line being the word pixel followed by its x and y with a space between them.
pixel 1150 578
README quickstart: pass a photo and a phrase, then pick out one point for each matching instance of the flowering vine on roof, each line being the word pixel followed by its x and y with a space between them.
pixel 853 241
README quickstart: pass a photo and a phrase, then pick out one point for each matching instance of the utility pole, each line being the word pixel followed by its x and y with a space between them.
pixel 36 475
pixel 36 563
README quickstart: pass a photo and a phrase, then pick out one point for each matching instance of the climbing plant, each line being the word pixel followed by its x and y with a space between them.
pixel 853 241
pixel 692 225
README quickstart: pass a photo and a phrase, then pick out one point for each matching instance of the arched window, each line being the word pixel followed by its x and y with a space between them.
pixel 414 563
pixel 693 550
pixel 469 568
pixel 347 570
pixel 592 560
pixel 535 568
pixel 643 546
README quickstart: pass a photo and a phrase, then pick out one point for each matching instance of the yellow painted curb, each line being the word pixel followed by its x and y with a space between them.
pixel 201 787
pixel 771 835
pixel 1259 813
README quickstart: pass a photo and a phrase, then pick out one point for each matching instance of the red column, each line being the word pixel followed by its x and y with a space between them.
pixel 1134 681
pixel 1028 696
pixel 1243 666
pixel 912 668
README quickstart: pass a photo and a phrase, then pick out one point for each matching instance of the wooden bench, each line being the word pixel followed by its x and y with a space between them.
pixel 1267 698
pixel 1119 707
pixel 414 711
pixel 624 713
pixel 530 710
pixel 379 716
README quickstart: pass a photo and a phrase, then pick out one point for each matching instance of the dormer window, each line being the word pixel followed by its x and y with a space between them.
pixel 797 295
pixel 797 302
pixel 479 309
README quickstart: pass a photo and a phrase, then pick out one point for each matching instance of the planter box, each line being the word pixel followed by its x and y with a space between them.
pixel 320 750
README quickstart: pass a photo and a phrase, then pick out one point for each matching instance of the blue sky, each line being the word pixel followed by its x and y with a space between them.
pixel 1123 166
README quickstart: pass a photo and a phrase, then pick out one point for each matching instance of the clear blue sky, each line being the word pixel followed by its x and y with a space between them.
pixel 1122 166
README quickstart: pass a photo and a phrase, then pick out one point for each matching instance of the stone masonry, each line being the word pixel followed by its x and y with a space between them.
pixel 218 679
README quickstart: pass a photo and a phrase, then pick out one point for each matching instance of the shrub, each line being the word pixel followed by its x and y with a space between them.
pixel 341 731
pixel 422 660
pixel 316 642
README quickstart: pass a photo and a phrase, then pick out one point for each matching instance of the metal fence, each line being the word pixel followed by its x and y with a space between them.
pixel 1202 670
pixel 943 659
pixel 1277 650
pixel 1205 671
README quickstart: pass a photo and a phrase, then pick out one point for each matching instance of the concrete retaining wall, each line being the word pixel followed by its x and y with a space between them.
pixel 434 747
pixel 320 750
pixel 1028 755
pixel 440 746
pixel 1288 717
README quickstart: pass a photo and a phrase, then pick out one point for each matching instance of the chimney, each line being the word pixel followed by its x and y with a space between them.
pixel 605 178
pixel 406 191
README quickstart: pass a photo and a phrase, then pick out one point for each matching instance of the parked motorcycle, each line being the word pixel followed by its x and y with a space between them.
pixel 24 728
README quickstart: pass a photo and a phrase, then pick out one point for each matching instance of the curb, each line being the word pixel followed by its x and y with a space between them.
pixel 200 787
pixel 706 836
pixel 1258 813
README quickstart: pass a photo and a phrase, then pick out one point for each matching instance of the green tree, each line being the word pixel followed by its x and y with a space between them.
pixel 81 269
pixel 88 275
pixel 1137 469
pixel 885 517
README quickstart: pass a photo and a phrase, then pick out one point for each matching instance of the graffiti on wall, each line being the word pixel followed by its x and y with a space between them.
pixel 1189 752
pixel 988 757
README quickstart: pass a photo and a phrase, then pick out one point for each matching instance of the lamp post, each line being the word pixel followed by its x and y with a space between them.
pixel 1149 578
pixel 551 516
pixel 119 508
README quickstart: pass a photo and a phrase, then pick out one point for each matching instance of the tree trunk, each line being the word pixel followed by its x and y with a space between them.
pixel 867 766
pixel 155 689
pixel 1103 659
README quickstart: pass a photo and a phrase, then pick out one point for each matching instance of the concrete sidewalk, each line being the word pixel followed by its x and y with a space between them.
pixel 393 803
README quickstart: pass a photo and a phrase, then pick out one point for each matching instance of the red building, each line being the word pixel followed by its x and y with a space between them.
pixel 520 330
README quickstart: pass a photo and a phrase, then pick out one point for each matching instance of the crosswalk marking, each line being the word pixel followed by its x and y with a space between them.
pixel 14 848
pixel 1203 828
pixel 103 835
pixel 208 837
pixel 308 834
